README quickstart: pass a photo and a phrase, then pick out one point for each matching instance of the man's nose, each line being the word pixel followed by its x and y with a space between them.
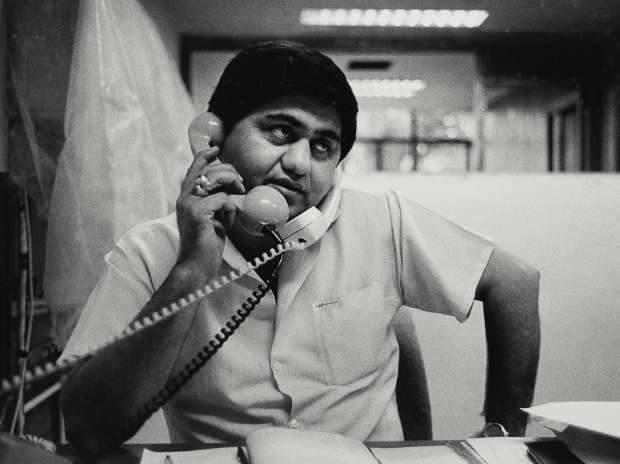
pixel 297 157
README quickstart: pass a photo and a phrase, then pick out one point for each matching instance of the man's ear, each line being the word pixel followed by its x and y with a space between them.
pixel 205 131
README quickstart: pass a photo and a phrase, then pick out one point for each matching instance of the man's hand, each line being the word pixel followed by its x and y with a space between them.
pixel 509 292
pixel 203 214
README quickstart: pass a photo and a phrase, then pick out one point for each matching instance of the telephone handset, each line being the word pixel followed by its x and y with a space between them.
pixel 262 206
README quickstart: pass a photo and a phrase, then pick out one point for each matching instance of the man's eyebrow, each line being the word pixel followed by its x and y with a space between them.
pixel 293 121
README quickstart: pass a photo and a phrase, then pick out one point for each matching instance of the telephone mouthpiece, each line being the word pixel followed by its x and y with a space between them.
pixel 204 132
pixel 264 205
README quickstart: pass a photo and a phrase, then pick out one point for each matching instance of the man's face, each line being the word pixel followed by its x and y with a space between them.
pixel 291 144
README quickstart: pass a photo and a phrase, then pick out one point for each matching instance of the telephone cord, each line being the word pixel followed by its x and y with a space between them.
pixel 39 372
pixel 178 380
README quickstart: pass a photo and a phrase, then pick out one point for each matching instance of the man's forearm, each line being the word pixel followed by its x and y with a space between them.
pixel 103 393
pixel 511 376
pixel 513 342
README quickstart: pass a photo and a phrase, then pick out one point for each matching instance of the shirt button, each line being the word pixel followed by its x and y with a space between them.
pixel 277 365
pixel 293 424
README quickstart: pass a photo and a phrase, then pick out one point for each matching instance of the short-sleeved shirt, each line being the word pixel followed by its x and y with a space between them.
pixel 321 354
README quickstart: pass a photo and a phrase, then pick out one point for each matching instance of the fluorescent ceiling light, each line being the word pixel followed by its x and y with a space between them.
pixel 392 18
pixel 386 88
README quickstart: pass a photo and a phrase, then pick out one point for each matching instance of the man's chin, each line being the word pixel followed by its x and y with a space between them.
pixel 296 208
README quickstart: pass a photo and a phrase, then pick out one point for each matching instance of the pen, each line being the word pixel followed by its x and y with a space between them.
pixel 168 459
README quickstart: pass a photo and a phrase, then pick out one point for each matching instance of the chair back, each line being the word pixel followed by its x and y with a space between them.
pixel 412 396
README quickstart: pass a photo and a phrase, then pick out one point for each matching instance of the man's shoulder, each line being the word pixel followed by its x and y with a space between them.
pixel 367 209
pixel 161 223
pixel 362 198
pixel 375 200
pixel 152 232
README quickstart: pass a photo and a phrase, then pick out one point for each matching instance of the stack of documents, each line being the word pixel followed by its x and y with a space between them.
pixel 590 429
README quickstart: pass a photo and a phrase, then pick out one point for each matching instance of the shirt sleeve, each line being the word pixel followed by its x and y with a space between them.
pixel 133 270
pixel 439 262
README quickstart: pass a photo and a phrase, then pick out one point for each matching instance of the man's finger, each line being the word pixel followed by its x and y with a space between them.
pixel 198 166
pixel 204 158
pixel 211 182
pixel 208 154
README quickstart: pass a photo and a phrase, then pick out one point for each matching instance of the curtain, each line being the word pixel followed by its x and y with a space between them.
pixel 126 148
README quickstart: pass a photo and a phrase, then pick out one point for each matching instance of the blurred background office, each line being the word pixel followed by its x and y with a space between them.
pixel 500 114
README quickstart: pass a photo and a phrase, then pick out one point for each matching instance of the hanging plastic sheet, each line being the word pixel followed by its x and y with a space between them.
pixel 126 148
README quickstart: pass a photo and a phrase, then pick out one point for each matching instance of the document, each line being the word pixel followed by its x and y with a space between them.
pixel 283 446
pixel 431 454
pixel 595 416
pixel 501 450
pixel 551 452
pixel 227 455
pixel 590 429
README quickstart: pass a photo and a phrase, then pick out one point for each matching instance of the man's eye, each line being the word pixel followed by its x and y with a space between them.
pixel 281 132
pixel 322 146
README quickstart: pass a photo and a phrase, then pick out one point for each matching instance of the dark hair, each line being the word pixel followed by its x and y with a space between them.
pixel 267 70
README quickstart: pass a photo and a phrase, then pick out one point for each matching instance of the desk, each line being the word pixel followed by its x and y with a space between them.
pixel 132 453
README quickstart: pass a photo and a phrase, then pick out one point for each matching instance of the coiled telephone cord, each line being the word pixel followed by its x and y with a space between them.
pixel 178 380
pixel 47 369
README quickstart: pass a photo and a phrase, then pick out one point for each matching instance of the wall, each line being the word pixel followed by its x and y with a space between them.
pixel 4 160
pixel 515 126
pixel 162 14
pixel 515 140
pixel 611 154
pixel 568 226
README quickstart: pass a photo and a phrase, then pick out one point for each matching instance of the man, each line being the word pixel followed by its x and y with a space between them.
pixel 319 351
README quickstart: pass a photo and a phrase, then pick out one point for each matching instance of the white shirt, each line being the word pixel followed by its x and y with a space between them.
pixel 323 355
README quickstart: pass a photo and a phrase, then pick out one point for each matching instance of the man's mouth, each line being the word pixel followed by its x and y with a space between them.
pixel 285 186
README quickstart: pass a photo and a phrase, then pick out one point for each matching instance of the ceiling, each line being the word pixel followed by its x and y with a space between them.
pixel 224 25
pixel 269 18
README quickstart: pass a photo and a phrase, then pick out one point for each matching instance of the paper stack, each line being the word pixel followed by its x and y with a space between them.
pixel 590 429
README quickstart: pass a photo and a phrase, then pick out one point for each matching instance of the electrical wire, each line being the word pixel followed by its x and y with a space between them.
pixel 19 416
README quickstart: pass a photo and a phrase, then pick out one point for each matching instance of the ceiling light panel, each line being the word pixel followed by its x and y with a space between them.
pixel 386 88
pixel 427 18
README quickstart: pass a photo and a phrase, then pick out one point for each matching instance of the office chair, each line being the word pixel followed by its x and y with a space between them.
pixel 412 396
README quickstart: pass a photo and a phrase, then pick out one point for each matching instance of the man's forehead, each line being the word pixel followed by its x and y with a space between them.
pixel 306 111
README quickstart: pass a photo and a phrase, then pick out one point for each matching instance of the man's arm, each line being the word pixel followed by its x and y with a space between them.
pixel 105 391
pixel 509 292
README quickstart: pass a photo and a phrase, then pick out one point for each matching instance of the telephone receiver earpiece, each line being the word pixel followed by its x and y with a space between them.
pixel 261 206
pixel 205 131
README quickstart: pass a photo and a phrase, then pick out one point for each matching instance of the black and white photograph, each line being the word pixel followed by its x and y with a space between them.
pixel 310 231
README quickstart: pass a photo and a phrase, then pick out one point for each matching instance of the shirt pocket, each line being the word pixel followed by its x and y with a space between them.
pixel 351 332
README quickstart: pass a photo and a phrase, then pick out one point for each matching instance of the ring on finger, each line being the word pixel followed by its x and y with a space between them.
pixel 201 186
